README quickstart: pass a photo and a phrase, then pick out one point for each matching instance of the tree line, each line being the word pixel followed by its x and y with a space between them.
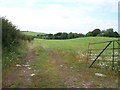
pixel 96 32
pixel 12 36
pixel 104 33
pixel 60 35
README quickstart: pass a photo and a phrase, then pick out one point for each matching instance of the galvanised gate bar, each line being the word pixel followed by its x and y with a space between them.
pixel 104 54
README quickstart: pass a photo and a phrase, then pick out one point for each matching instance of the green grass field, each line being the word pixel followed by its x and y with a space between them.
pixel 71 55
pixel 79 44
pixel 62 64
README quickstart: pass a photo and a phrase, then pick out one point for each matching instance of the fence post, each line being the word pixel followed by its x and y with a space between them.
pixel 88 55
pixel 113 57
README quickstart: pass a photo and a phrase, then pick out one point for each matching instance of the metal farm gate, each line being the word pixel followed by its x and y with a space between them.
pixel 104 54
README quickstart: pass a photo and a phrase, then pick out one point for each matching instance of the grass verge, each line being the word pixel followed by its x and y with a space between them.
pixel 11 58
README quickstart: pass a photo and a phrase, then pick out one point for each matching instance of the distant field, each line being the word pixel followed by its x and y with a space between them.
pixel 29 33
pixel 79 44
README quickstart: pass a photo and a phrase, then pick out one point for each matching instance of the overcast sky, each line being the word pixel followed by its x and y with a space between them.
pixel 51 16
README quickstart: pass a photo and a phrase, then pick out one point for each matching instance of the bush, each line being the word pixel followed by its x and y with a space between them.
pixel 11 36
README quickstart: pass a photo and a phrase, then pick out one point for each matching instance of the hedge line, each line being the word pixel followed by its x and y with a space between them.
pixel 11 35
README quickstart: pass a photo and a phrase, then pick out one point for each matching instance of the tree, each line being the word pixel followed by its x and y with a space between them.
pixel 96 32
pixel 64 36
pixel 81 35
pixel 50 36
pixel 75 35
pixel 57 35
pixel 116 34
pixel 89 34
pixel 70 35
pixel 109 33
